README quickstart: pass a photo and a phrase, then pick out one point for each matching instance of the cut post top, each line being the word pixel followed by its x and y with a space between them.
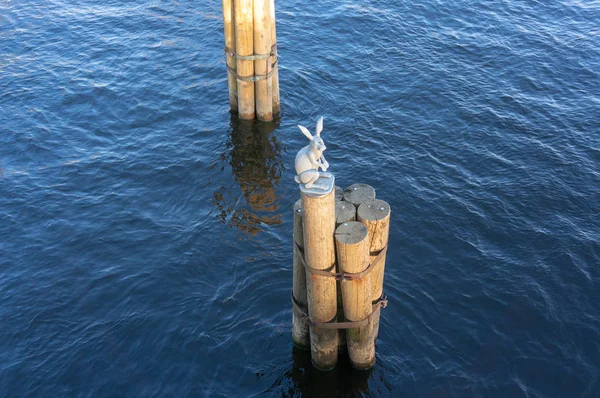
pixel 359 193
pixel 344 212
pixel 351 233
pixel 374 210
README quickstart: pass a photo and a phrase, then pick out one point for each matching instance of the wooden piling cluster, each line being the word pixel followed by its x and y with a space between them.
pixel 340 241
pixel 251 58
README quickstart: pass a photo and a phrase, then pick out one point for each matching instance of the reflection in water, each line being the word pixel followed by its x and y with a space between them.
pixel 306 381
pixel 254 155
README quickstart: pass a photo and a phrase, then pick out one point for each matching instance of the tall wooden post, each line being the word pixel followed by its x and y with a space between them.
pixel 275 77
pixel 352 245
pixel 244 46
pixel 319 224
pixel 300 330
pixel 229 27
pixel 375 215
pixel 344 212
pixel 262 45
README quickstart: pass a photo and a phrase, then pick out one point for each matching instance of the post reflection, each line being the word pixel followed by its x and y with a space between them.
pixel 341 381
pixel 253 154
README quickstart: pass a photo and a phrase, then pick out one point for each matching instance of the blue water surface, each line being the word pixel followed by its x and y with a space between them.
pixel 146 234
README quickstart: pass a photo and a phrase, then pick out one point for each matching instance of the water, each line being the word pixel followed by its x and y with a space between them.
pixel 145 235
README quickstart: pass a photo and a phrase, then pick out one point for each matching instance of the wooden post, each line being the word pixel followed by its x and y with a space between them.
pixel 300 331
pixel 359 193
pixel 344 212
pixel 244 45
pixel 275 77
pixel 262 45
pixel 375 215
pixel 318 214
pixel 352 245
pixel 229 25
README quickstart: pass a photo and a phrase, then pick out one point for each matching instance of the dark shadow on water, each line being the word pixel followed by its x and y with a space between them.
pixel 303 380
pixel 254 155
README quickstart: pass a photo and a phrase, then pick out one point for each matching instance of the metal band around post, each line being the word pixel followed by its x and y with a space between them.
pixel 253 57
pixel 341 276
pixel 381 303
pixel 253 78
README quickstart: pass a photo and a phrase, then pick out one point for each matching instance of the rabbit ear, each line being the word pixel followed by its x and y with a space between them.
pixel 305 132
pixel 319 127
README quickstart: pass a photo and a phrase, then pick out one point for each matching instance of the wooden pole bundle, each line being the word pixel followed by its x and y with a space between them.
pixel 352 245
pixel 250 44
pixel 300 330
pixel 339 302
pixel 318 214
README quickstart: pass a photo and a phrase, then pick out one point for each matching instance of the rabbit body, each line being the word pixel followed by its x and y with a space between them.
pixel 310 158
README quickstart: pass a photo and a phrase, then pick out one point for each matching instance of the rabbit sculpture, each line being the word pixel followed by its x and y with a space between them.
pixel 310 158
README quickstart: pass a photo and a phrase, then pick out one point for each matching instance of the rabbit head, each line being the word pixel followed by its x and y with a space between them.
pixel 316 141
